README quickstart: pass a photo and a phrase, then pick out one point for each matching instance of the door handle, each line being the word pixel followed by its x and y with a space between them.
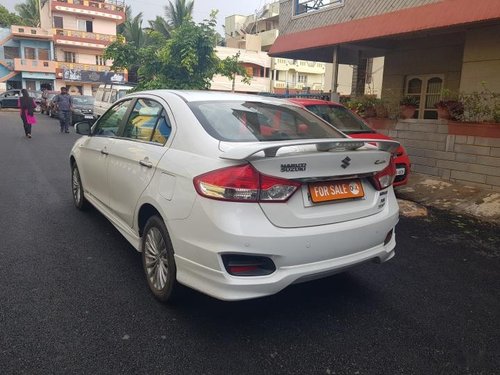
pixel 104 152
pixel 146 163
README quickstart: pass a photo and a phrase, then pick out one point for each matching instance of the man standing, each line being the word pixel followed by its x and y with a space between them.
pixel 64 104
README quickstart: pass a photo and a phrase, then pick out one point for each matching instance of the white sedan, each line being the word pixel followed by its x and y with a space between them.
pixel 237 196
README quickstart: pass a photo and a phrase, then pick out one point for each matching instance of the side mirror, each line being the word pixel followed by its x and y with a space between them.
pixel 83 128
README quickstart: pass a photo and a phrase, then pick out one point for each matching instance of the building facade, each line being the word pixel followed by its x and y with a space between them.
pixel 427 45
pixel 26 59
pixel 257 65
pixel 257 32
pixel 81 31
pixel 430 47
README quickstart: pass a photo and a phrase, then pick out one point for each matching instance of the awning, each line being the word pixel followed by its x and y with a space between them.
pixel 444 14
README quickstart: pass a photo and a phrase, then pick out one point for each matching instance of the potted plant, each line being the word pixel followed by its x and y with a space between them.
pixel 449 107
pixel 408 105
pixel 381 109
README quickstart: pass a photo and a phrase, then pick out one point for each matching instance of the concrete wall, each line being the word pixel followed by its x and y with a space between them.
pixel 467 159
pixel 441 54
pixel 352 9
pixel 481 60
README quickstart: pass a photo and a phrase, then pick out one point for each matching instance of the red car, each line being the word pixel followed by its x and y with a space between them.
pixel 354 126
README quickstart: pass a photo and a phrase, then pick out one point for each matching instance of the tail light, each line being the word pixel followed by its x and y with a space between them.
pixel 243 183
pixel 385 177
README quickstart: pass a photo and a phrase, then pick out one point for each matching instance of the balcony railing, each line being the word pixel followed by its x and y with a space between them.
pixel 30 32
pixel 114 5
pixel 90 67
pixel 36 66
pixel 79 36
pixel 306 6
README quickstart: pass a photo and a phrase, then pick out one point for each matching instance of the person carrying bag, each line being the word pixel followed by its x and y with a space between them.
pixel 27 107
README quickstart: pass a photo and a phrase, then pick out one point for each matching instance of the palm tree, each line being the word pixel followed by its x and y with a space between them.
pixel 179 12
pixel 128 15
pixel 133 32
pixel 29 12
pixel 160 25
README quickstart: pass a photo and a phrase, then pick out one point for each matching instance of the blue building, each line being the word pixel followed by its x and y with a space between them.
pixel 26 58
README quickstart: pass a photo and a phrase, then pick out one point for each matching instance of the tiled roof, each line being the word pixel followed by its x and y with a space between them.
pixel 439 15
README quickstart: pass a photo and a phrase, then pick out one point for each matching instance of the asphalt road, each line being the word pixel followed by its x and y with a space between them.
pixel 73 298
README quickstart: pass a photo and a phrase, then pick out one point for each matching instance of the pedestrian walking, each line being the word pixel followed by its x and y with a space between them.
pixel 27 107
pixel 64 104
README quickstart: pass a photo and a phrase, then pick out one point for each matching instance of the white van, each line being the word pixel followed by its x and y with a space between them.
pixel 107 94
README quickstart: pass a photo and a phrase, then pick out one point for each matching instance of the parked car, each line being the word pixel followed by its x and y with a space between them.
pixel 355 127
pixel 107 94
pixel 45 103
pixel 83 109
pixel 9 98
pixel 237 196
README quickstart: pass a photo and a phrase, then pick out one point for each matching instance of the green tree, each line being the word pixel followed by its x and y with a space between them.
pixel 29 12
pixel 178 12
pixel 186 61
pixel 8 19
pixel 230 67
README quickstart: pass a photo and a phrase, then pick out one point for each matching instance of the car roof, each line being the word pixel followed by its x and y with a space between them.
pixel 307 101
pixel 206 95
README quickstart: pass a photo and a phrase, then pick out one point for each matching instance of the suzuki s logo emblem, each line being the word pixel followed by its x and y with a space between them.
pixel 346 162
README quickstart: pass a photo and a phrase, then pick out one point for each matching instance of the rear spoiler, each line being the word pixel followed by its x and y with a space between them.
pixel 271 148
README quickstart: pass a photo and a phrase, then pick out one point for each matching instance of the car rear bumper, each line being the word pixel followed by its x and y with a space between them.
pixel 300 254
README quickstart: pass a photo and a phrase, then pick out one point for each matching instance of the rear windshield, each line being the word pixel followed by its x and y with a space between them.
pixel 245 121
pixel 340 117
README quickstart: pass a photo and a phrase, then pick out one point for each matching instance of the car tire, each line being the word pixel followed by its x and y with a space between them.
pixel 77 189
pixel 158 260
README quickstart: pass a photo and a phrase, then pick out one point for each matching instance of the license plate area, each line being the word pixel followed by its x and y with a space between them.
pixel 329 191
pixel 90 117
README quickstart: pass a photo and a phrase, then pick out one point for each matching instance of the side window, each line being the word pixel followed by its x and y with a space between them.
pixel 148 122
pixel 113 96
pixel 109 123
pixel 106 95
pixel 122 93
pixel 142 120
pixel 163 129
pixel 98 95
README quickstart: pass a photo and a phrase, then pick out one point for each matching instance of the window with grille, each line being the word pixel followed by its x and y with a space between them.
pixel 58 22
pixel 306 6
pixel 69 57
pixel 99 60
pixel 427 90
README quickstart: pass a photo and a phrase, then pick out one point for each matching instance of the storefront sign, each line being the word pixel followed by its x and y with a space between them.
pixel 78 75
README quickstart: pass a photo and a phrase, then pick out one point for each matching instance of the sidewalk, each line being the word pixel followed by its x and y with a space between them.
pixel 431 191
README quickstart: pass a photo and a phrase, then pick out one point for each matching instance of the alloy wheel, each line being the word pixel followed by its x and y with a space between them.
pixel 156 260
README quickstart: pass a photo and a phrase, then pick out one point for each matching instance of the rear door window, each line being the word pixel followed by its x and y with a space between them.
pixel 147 122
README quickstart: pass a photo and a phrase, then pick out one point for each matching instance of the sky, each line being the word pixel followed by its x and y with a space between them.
pixel 202 8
